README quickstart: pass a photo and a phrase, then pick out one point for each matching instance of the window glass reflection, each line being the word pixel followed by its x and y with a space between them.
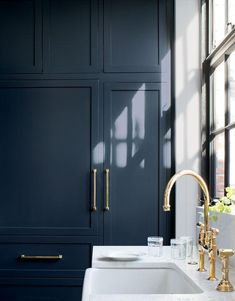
pixel 121 154
pixel 232 158
pixel 219 97
pixel 128 133
pixel 231 86
pixel 120 125
pixel 218 21
pixel 219 164
pixel 231 11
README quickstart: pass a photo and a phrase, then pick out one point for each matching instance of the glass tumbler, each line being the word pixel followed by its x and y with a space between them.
pixel 178 249
pixel 189 245
pixel 155 246
pixel 189 249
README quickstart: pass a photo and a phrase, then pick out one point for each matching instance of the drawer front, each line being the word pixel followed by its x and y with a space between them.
pixel 40 293
pixel 45 259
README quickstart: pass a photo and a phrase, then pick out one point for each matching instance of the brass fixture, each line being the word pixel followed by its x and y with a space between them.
pixel 106 171
pixel 212 252
pixel 201 182
pixel 94 174
pixel 41 257
pixel 201 251
pixel 207 236
pixel 225 285
pixel 201 264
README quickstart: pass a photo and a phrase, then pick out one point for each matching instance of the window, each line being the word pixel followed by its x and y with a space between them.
pixel 218 97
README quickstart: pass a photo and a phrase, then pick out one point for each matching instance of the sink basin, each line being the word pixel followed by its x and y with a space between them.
pixel 167 278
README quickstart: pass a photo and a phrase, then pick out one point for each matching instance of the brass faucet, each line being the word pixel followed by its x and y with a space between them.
pixel 207 236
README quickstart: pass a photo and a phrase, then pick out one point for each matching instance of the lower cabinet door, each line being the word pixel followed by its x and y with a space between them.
pixel 38 290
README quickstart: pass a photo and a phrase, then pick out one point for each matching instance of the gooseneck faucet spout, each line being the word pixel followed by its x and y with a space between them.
pixel 207 235
pixel 203 186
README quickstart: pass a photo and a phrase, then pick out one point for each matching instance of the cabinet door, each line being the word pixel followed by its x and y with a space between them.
pixel 134 122
pixel 21 36
pixel 135 36
pixel 70 36
pixel 48 130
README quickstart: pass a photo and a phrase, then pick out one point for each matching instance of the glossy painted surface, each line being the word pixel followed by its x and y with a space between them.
pixel 47 131
pixel 21 36
pixel 71 36
pixel 140 47
pixel 132 139
pixel 65 84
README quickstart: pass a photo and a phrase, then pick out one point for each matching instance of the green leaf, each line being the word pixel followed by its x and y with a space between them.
pixel 227 209
pixel 214 218
pixel 230 192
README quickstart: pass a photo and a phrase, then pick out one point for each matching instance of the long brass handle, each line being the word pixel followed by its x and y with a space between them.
pixel 41 257
pixel 106 171
pixel 94 173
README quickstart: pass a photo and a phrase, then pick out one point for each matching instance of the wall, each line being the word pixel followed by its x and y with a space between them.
pixel 187 110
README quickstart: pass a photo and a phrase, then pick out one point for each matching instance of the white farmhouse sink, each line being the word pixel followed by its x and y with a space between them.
pixel 167 278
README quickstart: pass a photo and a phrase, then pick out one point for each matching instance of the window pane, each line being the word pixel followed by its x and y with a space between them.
pixel 219 97
pixel 232 158
pixel 231 86
pixel 218 21
pixel 231 11
pixel 219 165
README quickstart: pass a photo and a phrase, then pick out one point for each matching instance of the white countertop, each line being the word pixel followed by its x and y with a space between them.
pixel 209 287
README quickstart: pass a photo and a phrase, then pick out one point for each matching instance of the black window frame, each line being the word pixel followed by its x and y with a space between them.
pixel 212 58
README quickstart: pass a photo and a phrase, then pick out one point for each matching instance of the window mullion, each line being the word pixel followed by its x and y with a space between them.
pixel 227 152
pixel 210 25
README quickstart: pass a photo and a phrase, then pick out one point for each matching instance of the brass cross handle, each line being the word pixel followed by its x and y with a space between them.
pixel 225 285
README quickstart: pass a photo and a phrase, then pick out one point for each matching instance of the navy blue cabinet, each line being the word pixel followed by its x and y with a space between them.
pixel 142 28
pixel 134 134
pixel 52 289
pixel 86 134
pixel 48 131
pixel 70 36
pixel 21 36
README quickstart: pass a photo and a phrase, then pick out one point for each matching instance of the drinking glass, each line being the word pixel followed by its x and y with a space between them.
pixel 155 245
pixel 178 249
pixel 189 249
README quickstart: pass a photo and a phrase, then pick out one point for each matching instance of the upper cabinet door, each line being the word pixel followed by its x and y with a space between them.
pixel 48 131
pixel 20 36
pixel 140 26
pixel 70 36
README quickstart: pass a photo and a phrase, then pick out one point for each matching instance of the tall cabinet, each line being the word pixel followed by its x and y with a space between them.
pixel 85 127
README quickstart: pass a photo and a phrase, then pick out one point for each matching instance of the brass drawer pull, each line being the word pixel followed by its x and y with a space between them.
pixel 41 257
pixel 94 173
pixel 106 171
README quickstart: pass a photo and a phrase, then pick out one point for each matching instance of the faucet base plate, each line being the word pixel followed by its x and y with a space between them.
pixel 224 286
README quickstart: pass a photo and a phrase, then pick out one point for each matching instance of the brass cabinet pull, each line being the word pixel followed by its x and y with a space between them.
pixel 106 171
pixel 94 173
pixel 41 257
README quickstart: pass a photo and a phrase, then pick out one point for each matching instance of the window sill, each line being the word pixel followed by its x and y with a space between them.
pixel 225 47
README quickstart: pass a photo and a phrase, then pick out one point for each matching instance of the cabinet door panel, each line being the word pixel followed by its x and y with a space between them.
pixel 71 29
pixel 134 151
pixel 135 43
pixel 21 36
pixel 47 138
